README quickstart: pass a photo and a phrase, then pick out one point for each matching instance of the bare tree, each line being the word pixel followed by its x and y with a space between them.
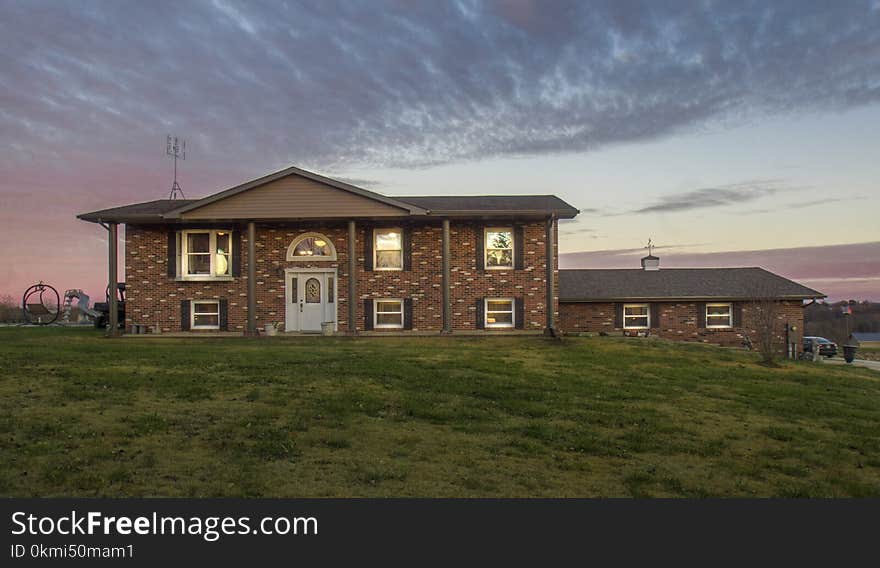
pixel 10 309
pixel 763 323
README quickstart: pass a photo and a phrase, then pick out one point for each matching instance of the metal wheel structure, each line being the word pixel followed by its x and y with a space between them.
pixel 37 304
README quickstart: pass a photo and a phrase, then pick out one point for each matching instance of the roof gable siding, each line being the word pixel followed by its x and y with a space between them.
pixel 293 197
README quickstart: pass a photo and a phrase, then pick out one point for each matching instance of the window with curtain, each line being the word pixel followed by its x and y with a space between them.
pixel 206 254
pixel 388 249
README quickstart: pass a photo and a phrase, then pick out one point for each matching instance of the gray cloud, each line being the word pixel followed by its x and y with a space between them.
pixel 576 231
pixel 334 84
pixel 732 194
pixel 360 182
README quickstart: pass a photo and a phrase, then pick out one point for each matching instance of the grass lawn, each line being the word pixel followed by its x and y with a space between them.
pixel 516 416
pixel 870 353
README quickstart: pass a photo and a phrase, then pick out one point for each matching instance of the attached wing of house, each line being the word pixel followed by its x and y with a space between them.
pixel 717 305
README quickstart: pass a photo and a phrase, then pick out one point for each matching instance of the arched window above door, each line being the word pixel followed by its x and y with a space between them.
pixel 311 246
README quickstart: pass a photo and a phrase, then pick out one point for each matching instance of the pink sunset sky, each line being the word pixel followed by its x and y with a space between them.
pixel 732 136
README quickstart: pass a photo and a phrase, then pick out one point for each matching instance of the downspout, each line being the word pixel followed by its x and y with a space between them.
pixel 550 276
pixel 447 303
pixel 252 279
pixel 112 234
pixel 352 279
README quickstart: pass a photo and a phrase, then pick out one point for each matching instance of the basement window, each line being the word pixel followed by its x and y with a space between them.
pixel 206 254
pixel 205 314
pixel 388 314
pixel 719 315
pixel 499 313
pixel 636 316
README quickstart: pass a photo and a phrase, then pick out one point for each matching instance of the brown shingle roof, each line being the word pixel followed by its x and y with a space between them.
pixel 593 285
pixel 147 211
pixel 493 204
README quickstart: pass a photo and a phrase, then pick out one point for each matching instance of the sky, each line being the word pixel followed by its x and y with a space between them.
pixel 730 133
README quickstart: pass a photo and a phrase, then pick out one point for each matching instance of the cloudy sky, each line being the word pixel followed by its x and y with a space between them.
pixel 732 133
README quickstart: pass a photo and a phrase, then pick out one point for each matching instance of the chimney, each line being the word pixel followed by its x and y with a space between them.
pixel 651 262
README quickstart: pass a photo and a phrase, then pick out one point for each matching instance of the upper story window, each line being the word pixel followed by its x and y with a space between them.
pixel 719 315
pixel 499 248
pixel 311 246
pixel 206 254
pixel 636 316
pixel 388 249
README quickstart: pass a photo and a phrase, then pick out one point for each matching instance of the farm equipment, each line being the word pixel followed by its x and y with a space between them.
pixel 102 319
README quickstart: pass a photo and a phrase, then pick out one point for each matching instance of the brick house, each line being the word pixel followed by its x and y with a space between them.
pixel 714 305
pixel 293 248
pixel 420 265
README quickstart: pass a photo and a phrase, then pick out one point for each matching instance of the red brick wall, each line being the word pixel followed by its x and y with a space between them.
pixel 154 298
pixel 678 321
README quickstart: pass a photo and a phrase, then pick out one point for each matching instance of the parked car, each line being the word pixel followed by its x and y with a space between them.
pixel 827 348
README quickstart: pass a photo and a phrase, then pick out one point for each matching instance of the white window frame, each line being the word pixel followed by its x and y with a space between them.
pixel 376 324
pixel 376 248
pixel 192 314
pixel 512 313
pixel 212 248
pixel 647 316
pixel 729 306
pixel 486 232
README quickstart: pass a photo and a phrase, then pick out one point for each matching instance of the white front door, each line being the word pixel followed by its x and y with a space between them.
pixel 311 303
pixel 311 300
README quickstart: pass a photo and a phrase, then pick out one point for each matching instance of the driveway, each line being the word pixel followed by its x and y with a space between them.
pixel 874 365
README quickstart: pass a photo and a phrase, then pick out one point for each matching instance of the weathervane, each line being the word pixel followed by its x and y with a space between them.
pixel 650 247
pixel 177 149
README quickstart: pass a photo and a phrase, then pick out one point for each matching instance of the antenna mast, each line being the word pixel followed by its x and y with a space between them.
pixel 177 149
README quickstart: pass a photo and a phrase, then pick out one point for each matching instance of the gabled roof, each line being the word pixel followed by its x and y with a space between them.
pixel 169 211
pixel 595 285
pixel 411 209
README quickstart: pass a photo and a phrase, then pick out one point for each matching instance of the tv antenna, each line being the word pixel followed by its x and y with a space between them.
pixel 175 147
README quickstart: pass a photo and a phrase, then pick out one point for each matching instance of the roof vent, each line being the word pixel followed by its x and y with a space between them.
pixel 650 262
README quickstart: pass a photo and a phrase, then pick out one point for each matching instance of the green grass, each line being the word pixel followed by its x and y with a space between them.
pixel 81 415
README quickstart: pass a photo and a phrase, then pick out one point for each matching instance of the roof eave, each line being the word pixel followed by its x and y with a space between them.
pixel 688 298
pixel 561 214
pixel 119 218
